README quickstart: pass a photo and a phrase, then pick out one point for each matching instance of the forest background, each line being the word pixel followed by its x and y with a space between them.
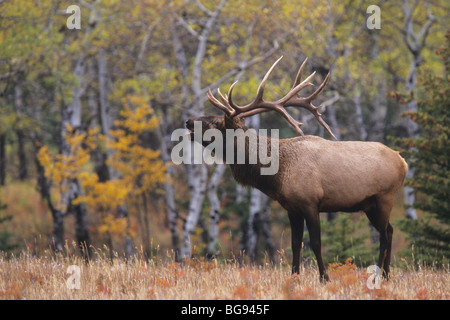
pixel 86 117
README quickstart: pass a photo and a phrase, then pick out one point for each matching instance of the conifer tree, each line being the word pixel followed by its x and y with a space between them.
pixel 429 153
pixel 343 239
pixel 5 243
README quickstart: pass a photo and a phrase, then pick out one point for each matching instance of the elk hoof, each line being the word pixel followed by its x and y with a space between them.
pixel 324 278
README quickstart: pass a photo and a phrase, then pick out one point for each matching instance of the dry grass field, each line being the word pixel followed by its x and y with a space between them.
pixel 49 278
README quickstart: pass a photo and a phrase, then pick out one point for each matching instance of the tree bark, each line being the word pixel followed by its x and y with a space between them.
pixel 415 43
pixel 214 213
pixel 265 228
pixel 197 180
pixel 169 192
pixel 2 159
pixel 253 216
pixel 57 242
pixel 58 231
pixel 23 171
pixel 81 230
pixel 254 208
pixel 71 115
pixel 359 116
pixel 105 120
pixel 145 229
pixel 197 173
pixel 20 108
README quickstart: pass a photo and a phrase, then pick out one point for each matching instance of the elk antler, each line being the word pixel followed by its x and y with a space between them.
pixel 259 105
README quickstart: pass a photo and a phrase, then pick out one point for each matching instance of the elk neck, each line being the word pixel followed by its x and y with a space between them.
pixel 253 147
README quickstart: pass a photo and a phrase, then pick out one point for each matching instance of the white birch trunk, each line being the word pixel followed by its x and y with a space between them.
pixel 254 212
pixel 197 174
pixel 359 117
pixel 71 114
pixel 197 179
pixel 411 131
pixel 265 227
pixel 255 205
pixel 169 192
pixel 106 119
pixel 214 213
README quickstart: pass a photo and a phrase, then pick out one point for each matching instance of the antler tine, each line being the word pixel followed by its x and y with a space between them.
pixel 260 92
pixel 222 97
pixel 296 124
pixel 230 100
pixel 297 89
pixel 227 100
pixel 231 88
pixel 217 103
pixel 319 90
pixel 307 104
pixel 323 123
pixel 299 73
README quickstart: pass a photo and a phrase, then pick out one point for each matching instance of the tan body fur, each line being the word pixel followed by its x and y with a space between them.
pixel 337 176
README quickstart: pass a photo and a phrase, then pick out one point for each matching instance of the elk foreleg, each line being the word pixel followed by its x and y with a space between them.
pixel 297 227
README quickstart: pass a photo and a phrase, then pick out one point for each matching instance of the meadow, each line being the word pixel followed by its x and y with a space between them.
pixel 33 271
pixel 53 277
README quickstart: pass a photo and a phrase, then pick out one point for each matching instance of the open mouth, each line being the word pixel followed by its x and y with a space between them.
pixel 189 125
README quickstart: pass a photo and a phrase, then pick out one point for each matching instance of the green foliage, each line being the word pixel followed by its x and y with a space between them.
pixel 5 244
pixel 429 154
pixel 343 237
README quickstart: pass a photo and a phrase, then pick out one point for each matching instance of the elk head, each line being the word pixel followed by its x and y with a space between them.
pixel 215 122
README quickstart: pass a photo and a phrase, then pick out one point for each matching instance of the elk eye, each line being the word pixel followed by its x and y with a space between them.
pixel 215 122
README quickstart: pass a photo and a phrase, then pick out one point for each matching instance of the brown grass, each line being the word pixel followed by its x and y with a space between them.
pixel 30 277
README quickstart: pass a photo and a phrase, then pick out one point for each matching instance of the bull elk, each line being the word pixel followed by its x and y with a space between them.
pixel 315 175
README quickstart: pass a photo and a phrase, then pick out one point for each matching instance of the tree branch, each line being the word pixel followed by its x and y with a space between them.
pixel 408 29
pixel 426 29
pixel 186 26
pixel 203 8
pixel 144 42
pixel 242 66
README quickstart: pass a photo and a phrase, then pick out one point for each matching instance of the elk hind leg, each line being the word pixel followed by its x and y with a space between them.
pixel 379 215
pixel 313 224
